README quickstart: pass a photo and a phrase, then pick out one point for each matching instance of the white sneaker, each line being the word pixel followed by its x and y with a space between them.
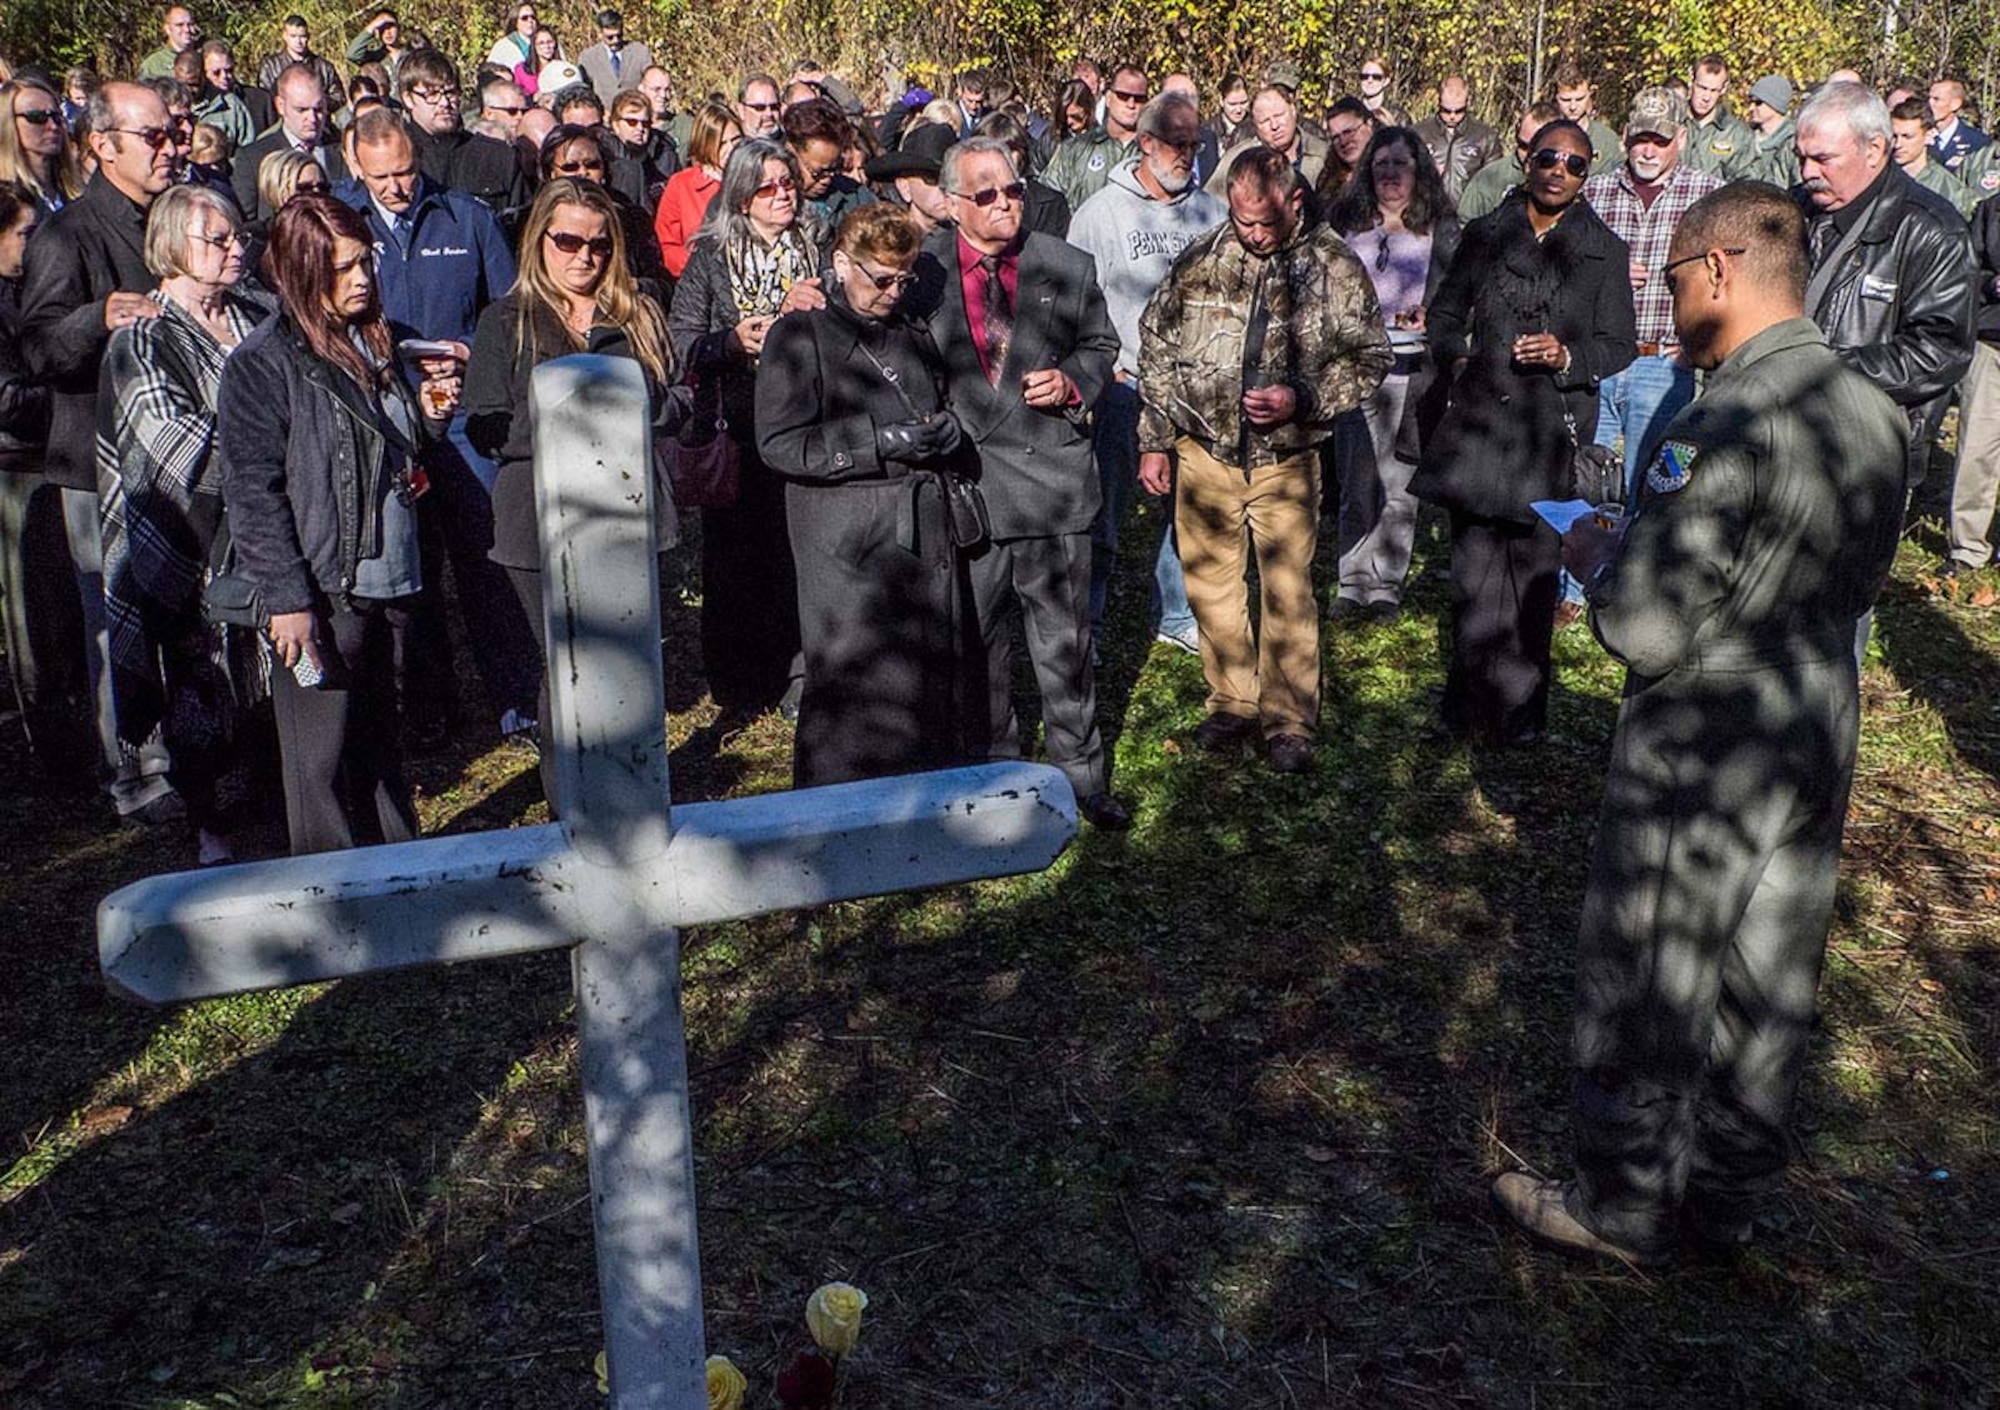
pixel 1187 639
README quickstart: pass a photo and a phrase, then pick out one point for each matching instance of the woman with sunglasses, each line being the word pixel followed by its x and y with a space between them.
pixel 641 148
pixel 320 440
pixel 685 200
pixel 35 151
pixel 1395 216
pixel 755 259
pixel 850 410
pixel 584 154
pixel 1535 310
pixel 161 491
pixel 573 292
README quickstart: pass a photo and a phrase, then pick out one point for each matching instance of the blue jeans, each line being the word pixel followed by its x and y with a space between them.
pixel 1634 407
pixel 1115 441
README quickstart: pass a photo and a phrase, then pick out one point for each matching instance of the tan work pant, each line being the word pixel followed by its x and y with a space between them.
pixel 1275 679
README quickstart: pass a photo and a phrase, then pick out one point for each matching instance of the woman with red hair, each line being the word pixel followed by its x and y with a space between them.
pixel 321 439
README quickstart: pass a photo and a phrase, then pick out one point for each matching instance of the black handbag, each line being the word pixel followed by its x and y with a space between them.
pixel 701 459
pixel 230 598
pixel 1596 473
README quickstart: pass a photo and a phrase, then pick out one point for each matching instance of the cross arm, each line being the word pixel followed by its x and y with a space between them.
pixel 813 846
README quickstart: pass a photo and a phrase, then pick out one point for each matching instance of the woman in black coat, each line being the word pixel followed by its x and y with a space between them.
pixel 574 294
pixel 850 410
pixel 753 261
pixel 1535 311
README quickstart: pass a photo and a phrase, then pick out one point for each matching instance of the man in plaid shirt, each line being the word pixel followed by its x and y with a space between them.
pixel 1643 199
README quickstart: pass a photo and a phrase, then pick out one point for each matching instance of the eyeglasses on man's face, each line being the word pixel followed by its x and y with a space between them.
pixel 1013 191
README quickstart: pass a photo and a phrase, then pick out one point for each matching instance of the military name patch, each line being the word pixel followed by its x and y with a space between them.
pixel 1673 468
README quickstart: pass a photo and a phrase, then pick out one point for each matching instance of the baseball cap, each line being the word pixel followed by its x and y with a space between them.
pixel 557 75
pixel 1660 111
pixel 922 154
pixel 1773 89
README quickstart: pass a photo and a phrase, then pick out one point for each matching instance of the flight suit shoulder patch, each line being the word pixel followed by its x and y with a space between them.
pixel 1673 467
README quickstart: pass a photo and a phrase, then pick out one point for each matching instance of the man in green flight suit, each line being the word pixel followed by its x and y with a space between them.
pixel 1774 137
pixel 1717 141
pixel 1765 526
pixel 1491 184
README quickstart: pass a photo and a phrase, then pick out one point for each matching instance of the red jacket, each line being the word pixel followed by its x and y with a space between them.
pixel 682 205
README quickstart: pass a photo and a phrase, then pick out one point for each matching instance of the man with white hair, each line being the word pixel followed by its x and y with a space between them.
pixel 1893 272
pixel 1135 228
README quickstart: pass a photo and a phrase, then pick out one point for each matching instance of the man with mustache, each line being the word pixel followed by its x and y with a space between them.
pixel 1642 201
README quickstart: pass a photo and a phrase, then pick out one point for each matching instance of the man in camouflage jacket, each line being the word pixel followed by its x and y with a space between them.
pixel 1264 332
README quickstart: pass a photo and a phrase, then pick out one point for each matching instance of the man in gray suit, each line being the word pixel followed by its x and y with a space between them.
pixel 1028 348
pixel 614 63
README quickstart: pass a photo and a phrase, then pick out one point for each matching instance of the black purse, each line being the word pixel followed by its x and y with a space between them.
pixel 229 598
pixel 1596 473
pixel 965 507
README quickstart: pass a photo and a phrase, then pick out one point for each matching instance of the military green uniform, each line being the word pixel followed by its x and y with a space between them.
pixel 1763 529
pixel 1488 188
pixel 1083 164
pixel 1722 145
pixel 1776 157
pixel 1607 147
pixel 1945 184
pixel 1981 172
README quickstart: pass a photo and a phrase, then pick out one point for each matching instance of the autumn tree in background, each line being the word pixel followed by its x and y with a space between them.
pixel 1501 49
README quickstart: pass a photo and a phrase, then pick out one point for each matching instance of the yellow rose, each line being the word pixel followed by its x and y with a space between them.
pixel 833 1314
pixel 726 1385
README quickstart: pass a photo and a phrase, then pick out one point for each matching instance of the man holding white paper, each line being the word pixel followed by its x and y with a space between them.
pixel 1764 526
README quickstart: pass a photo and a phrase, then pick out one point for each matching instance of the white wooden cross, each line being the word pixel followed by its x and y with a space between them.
pixel 613 882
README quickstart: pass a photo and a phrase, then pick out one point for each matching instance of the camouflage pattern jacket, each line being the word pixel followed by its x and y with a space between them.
pixel 1325 340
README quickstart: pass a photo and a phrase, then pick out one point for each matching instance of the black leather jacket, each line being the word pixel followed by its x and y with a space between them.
pixel 1459 152
pixel 1986 244
pixel 24 403
pixel 1898 307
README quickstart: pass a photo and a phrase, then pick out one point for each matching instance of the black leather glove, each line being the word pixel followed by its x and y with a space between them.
pixel 914 442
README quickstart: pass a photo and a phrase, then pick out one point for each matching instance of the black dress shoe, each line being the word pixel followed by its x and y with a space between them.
pixel 1223 731
pixel 1106 811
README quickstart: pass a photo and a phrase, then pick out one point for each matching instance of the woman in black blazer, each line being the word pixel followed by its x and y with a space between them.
pixel 1535 311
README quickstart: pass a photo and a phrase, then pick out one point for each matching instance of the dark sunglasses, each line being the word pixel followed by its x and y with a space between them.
pixel 1450 112
pixel 774 188
pixel 571 244
pixel 509 110
pixel 1013 191
pixel 40 117
pixel 154 137
pixel 762 107
pixel 572 168
pixel 1128 97
pixel 1548 159
pixel 1373 77
pixel 885 282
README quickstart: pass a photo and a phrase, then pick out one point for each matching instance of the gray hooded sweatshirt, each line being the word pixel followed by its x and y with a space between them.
pixel 1135 240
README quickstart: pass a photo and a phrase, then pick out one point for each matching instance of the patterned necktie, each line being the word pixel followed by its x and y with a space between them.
pixel 999 318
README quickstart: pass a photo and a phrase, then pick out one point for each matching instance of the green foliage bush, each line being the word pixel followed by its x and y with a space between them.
pixel 1624 43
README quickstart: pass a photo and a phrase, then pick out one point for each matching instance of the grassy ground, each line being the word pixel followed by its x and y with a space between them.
pixel 1204 1116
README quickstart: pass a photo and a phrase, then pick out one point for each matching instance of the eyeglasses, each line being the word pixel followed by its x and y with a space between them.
pixel 885 282
pixel 154 137
pixel 784 185
pixel 1667 272
pixel 1376 77
pixel 599 246
pixel 1548 159
pixel 1013 191
pixel 572 168
pixel 510 110
pixel 762 107
pixel 438 95
pixel 41 117
pixel 629 120
pixel 1123 96
pixel 227 242
pixel 1450 112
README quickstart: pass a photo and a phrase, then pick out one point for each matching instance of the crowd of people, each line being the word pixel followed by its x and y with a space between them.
pixel 265 351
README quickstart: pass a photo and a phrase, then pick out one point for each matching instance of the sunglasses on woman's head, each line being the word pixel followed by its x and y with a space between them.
pixel 571 244
pixel 1548 159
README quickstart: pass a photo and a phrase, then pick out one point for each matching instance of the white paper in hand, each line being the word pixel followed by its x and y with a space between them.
pixel 1559 514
